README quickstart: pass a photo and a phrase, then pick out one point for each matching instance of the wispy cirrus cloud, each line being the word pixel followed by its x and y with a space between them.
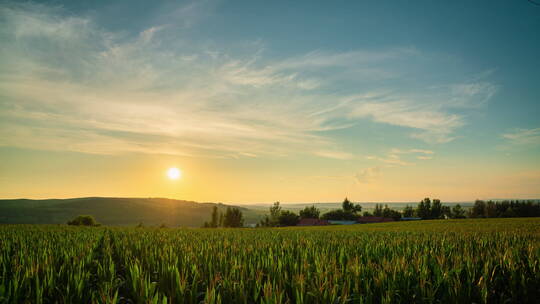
pixel 368 175
pixel 390 160
pixel 426 114
pixel 67 83
pixel 523 136
pixel 334 154
pixel 395 156
pixel 409 151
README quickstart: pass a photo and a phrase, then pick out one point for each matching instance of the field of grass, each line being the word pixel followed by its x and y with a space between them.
pixel 453 261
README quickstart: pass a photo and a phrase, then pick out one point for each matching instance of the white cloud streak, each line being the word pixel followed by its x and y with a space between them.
pixel 394 157
pixel 523 136
pixel 436 125
pixel 335 154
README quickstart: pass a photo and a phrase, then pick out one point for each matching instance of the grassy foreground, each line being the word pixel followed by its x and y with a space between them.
pixel 453 261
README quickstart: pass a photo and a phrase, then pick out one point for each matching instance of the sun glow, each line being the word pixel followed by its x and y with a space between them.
pixel 174 173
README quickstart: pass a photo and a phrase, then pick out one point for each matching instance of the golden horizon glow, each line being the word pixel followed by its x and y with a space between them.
pixel 174 173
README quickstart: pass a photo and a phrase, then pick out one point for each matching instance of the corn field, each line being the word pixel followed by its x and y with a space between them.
pixel 454 261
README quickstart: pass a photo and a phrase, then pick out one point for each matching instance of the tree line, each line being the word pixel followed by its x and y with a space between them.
pixel 426 209
pixel 279 217
pixel 232 218
pixel 510 208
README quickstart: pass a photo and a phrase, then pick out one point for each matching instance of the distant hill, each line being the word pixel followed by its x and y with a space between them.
pixel 114 211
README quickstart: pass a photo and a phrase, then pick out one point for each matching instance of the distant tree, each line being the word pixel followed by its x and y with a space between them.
pixel 163 225
pixel 525 208
pixel 436 209
pixel 446 212
pixel 288 218
pixel 378 211
pixel 408 211
pixel 387 212
pixel 310 212
pixel 505 209
pixel 214 219
pixel 347 206
pixel 339 215
pixel 458 212
pixel 427 205
pixel 424 209
pixel 490 209
pixel 83 220
pixel 396 215
pixel 348 212
pixel 265 222
pixel 273 219
pixel 420 209
pixel 140 225
pixel 275 212
pixel 478 210
pixel 508 213
pixel 366 213
pixel 233 218
pixel 220 222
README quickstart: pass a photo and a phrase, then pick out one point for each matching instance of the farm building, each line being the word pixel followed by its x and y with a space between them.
pixel 374 219
pixel 312 222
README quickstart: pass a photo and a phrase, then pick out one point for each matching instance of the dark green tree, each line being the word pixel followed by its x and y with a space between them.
pixel 310 212
pixel 436 209
pixel 408 211
pixel 458 212
pixel 378 211
pixel 490 209
pixel 446 212
pixel 265 222
pixel 83 220
pixel 424 209
pixel 478 210
pixel 275 212
pixel 339 215
pixel 215 218
pixel 233 218
pixel 387 212
pixel 420 209
pixel 273 219
pixel 348 206
pixel 508 213
pixel 288 218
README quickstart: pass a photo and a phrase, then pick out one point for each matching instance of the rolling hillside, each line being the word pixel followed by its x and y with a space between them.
pixel 113 211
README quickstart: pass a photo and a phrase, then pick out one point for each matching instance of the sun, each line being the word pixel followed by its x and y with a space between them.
pixel 174 173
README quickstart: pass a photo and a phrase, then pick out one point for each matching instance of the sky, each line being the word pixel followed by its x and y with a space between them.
pixel 258 101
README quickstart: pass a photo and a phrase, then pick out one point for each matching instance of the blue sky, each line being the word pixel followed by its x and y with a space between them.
pixel 357 95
